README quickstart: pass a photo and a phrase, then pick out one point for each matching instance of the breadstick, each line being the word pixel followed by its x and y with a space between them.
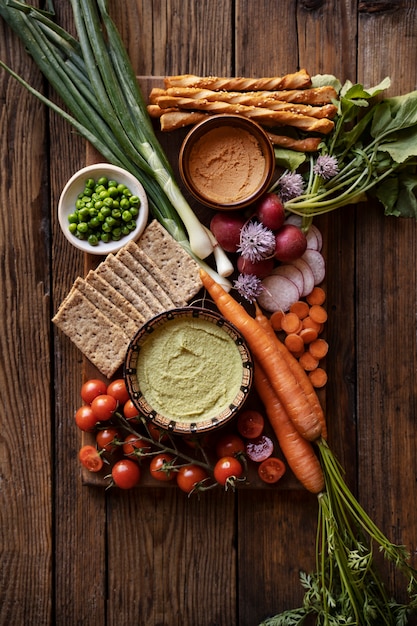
pixel 308 144
pixel 318 96
pixel 259 114
pixel 298 80
pixel 155 111
pixel 179 119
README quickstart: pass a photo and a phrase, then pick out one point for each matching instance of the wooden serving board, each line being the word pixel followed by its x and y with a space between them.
pixel 171 143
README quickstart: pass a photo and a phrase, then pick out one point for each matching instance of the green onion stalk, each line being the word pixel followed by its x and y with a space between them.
pixel 371 152
pixel 94 78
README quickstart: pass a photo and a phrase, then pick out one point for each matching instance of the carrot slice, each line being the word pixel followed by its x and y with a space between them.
pixel 318 313
pixel 317 296
pixel 319 348
pixel 308 361
pixel 308 335
pixel 294 343
pixel 276 319
pixel 291 323
pixel 310 323
pixel 318 377
pixel 300 308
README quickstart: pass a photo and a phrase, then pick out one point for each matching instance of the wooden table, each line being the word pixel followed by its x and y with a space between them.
pixel 72 554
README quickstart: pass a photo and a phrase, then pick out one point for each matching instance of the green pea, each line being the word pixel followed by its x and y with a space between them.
pixel 98 204
pixel 112 183
pixel 88 192
pixel 116 233
pixel 111 221
pixel 134 201
pixel 94 223
pixel 83 214
pixel 134 211
pixel 104 194
pixel 106 211
pixel 82 227
pixel 105 237
pixel 108 202
pixel 103 180
pixel 73 218
pixel 126 216
pixel 93 240
pixel 73 228
pixel 90 183
pixel 105 227
pixel 124 204
pixel 125 230
pixel 116 213
pixel 113 192
pixel 79 204
pixel 131 225
pixel 100 217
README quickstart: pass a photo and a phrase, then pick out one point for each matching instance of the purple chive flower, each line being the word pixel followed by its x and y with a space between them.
pixel 248 286
pixel 291 185
pixel 326 166
pixel 256 242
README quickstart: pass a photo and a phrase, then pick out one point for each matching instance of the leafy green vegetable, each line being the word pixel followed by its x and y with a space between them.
pixel 375 145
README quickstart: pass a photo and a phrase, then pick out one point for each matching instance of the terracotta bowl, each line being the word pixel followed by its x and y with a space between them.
pixel 227 162
pixel 204 358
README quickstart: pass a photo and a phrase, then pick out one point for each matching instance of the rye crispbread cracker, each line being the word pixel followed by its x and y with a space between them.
pixel 102 341
pixel 145 277
pixel 135 283
pixel 115 297
pixel 162 278
pixel 107 273
pixel 172 259
pixel 114 313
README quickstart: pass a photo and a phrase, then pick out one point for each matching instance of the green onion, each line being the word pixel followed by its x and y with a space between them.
pixel 107 108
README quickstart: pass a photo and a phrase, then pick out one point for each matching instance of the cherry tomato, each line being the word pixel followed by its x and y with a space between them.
pixel 271 470
pixel 92 388
pixel 189 477
pixel 158 434
pixel 259 449
pixel 129 410
pixel 230 445
pixel 107 438
pixel 132 446
pixel 85 418
pixel 90 458
pixel 250 424
pixel 118 390
pixel 160 467
pixel 226 469
pixel 125 474
pixel 103 407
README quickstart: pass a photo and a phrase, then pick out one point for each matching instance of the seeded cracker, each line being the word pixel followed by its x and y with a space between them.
pixel 103 342
pixel 109 292
pixel 145 277
pixel 172 259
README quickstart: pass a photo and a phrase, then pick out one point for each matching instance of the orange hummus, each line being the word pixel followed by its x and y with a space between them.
pixel 226 165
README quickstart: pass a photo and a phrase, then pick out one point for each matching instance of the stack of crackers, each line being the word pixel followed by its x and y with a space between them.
pixel 103 311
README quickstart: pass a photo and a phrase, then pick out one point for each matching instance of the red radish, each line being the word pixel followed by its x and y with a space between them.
pixel 258 268
pixel 290 243
pixel 259 449
pixel 270 211
pixel 226 227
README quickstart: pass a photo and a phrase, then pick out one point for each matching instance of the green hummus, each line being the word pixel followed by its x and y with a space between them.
pixel 189 369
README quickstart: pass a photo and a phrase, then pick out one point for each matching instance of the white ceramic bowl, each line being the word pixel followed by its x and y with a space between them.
pixel 76 184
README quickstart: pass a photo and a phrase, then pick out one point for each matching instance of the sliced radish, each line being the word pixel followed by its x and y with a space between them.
pixel 293 273
pixel 278 293
pixel 294 219
pixel 317 233
pixel 315 260
pixel 312 241
pixel 307 273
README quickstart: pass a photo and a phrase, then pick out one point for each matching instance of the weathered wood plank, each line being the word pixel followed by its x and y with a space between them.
pixel 25 444
pixel 386 302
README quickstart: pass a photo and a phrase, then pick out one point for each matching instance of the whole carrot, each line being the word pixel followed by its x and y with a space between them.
pixel 298 452
pixel 276 369
pixel 295 367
